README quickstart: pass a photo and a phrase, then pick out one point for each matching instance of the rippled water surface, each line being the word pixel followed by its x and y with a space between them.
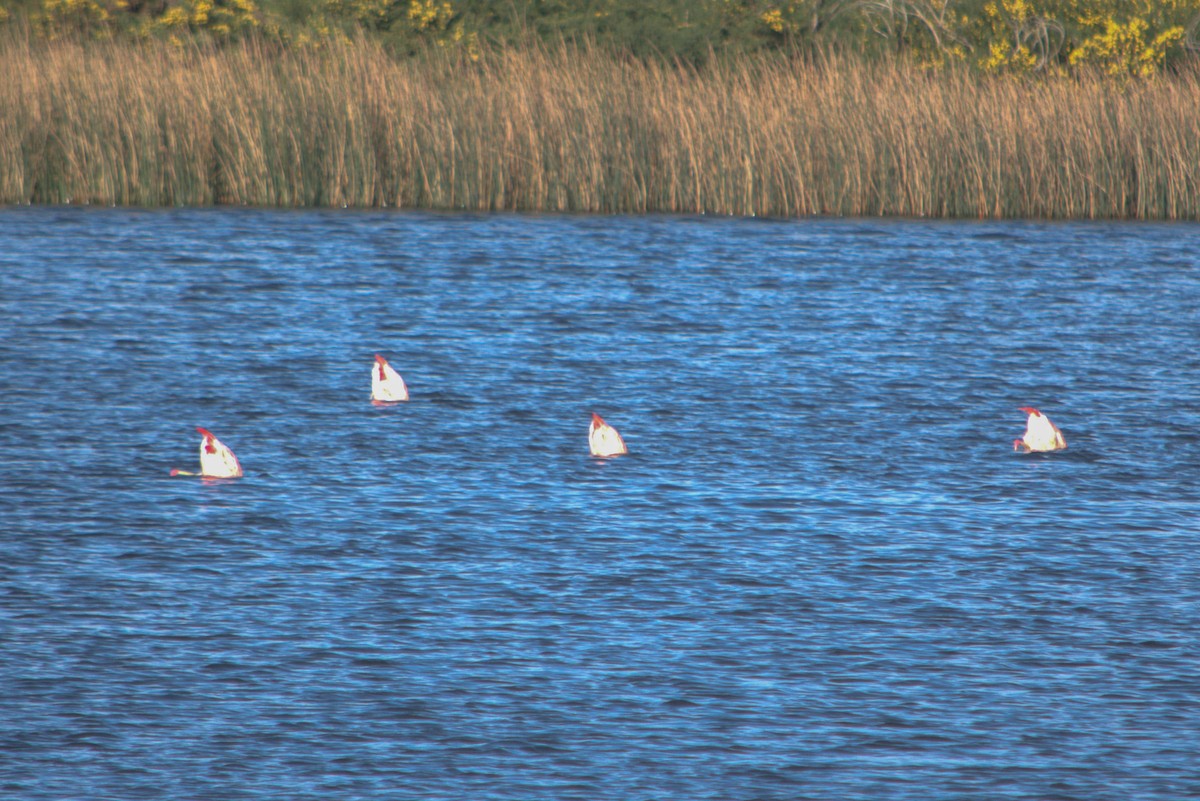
pixel 822 572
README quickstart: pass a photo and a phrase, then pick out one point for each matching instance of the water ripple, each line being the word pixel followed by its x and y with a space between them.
pixel 821 572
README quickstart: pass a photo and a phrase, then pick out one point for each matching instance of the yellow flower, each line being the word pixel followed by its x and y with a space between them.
pixel 174 18
pixel 200 12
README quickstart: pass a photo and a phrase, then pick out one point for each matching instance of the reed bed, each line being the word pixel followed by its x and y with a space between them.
pixel 578 130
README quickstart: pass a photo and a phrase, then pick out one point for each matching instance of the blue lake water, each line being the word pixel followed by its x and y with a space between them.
pixel 821 572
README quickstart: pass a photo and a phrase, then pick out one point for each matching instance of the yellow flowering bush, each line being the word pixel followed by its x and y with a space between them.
pixel 221 19
pixel 402 22
pixel 1133 38
pixel 1019 35
pixel 1126 49
pixel 1121 37
pixel 386 15
pixel 427 15
pixel 1130 37
pixel 91 17
pixel 773 19
pixel 767 20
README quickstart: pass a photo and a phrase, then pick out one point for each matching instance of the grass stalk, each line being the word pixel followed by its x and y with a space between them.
pixel 575 129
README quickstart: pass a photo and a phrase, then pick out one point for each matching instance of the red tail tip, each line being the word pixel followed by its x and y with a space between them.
pixel 380 360
pixel 174 471
pixel 204 431
pixel 1029 410
pixel 596 420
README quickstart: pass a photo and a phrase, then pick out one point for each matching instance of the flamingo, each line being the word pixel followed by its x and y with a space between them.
pixel 1040 433
pixel 603 439
pixel 216 460
pixel 386 384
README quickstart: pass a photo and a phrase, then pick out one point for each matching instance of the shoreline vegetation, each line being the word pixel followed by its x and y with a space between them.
pixel 579 127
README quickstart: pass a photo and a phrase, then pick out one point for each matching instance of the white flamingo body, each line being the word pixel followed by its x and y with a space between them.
pixel 603 439
pixel 216 460
pixel 1040 433
pixel 386 384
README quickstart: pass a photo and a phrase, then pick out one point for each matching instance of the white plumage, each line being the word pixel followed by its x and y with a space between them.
pixel 216 460
pixel 386 384
pixel 1040 433
pixel 603 439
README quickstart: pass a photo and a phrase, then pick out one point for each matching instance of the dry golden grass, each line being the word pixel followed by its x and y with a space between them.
pixel 580 130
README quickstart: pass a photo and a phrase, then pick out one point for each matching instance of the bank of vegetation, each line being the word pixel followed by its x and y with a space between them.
pixel 782 116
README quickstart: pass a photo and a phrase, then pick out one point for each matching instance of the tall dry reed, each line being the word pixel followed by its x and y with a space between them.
pixel 579 130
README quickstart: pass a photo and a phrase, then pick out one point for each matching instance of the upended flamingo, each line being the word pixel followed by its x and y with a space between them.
pixel 603 439
pixel 386 384
pixel 216 460
pixel 1040 433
